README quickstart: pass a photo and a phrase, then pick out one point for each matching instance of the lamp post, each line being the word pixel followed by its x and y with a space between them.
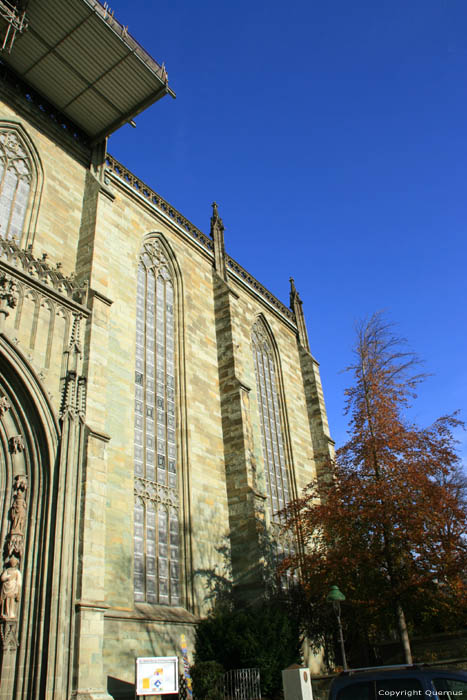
pixel 335 596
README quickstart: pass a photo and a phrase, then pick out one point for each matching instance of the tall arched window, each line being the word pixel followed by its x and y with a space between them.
pixel 275 465
pixel 157 527
pixel 16 181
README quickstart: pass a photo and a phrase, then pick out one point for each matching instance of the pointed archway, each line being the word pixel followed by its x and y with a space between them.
pixel 29 439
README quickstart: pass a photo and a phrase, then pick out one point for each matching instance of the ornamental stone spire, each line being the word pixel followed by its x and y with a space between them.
pixel 296 306
pixel 217 235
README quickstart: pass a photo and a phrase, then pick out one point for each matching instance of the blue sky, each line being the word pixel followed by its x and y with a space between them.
pixel 333 136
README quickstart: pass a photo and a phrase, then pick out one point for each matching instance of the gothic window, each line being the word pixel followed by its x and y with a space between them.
pixel 16 176
pixel 275 465
pixel 157 508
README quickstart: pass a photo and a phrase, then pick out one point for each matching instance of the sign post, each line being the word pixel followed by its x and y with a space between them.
pixel 156 675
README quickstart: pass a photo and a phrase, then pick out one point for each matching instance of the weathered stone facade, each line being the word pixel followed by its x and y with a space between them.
pixel 67 417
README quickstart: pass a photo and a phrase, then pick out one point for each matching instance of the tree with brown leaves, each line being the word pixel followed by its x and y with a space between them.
pixel 390 525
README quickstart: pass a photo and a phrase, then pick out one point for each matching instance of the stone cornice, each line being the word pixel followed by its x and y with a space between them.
pixel 98 434
pixel 99 605
pixel 155 204
pixel 142 193
pixel 152 613
pixel 243 387
pixel 39 275
pixel 238 273
pixel 94 294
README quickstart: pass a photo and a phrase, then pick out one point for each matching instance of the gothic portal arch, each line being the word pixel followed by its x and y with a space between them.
pixel 29 436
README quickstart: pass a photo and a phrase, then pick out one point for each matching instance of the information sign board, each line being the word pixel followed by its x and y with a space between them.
pixel 156 675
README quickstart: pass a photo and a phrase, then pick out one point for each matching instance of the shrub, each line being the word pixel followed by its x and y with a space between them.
pixel 265 636
pixel 207 680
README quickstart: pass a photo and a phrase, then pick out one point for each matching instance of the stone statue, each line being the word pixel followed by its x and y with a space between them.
pixel 10 590
pixel 16 444
pixel 8 291
pixel 21 482
pixel 4 405
pixel 18 514
pixel 15 544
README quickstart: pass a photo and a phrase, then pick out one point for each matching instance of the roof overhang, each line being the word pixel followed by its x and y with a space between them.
pixel 85 64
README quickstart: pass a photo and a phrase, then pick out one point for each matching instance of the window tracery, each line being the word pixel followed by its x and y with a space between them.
pixel 275 464
pixel 157 507
pixel 16 178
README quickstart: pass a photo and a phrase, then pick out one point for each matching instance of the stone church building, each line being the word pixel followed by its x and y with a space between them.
pixel 158 405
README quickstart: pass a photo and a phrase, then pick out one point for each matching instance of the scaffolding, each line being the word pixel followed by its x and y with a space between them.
pixel 12 22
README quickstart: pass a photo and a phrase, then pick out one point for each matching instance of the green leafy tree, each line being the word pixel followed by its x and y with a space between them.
pixel 390 525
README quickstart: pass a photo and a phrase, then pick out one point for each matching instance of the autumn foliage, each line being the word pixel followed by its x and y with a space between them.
pixel 390 524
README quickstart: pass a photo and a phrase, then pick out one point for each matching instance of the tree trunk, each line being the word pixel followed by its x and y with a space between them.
pixel 403 633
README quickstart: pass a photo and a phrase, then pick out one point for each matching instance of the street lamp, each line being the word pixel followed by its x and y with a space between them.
pixel 335 596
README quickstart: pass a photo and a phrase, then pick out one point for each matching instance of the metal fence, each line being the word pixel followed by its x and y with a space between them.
pixel 239 684
pixel 242 684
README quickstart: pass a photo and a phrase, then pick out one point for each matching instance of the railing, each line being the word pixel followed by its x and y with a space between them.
pixel 242 684
pixel 107 15
pixel 156 200
pixel 16 22
pixel 233 266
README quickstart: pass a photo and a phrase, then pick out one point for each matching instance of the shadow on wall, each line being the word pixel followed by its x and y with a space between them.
pixel 120 690
pixel 260 573
pixel 123 650
pixel 219 591
pixel 217 581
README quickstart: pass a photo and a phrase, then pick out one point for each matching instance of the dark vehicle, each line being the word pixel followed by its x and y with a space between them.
pixel 399 683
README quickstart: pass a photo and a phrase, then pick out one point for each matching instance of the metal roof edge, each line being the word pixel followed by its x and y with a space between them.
pixel 124 119
pixel 122 32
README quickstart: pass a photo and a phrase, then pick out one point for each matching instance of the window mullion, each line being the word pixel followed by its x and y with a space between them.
pixel 271 422
pixel 17 165
pixel 12 205
pixel 277 432
pixel 160 492
pixel 156 427
pixel 272 428
pixel 272 478
pixel 5 168
pixel 166 436
pixel 263 400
